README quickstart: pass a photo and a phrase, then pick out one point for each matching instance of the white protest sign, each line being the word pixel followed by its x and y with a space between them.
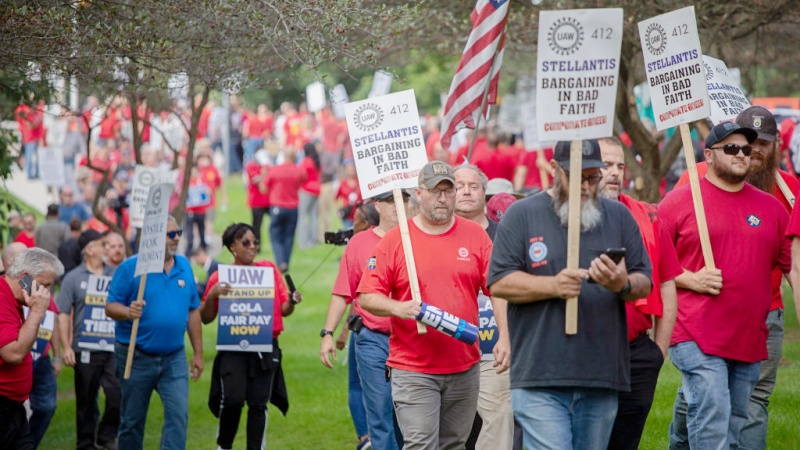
pixel 339 98
pixel 381 84
pixel 576 73
pixel 143 178
pixel 153 238
pixel 387 141
pixel 674 67
pixel 315 96
pixel 727 99
pixel 51 166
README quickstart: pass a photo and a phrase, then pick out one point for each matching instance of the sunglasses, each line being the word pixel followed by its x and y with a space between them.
pixel 733 149
pixel 175 234
pixel 591 179
pixel 247 242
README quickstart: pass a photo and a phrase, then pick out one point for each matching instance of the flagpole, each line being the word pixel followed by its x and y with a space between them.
pixel 488 85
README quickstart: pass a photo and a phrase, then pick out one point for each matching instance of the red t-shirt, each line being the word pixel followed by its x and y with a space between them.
pixel 452 268
pixel 663 259
pixel 255 198
pixel 791 182
pixel 479 151
pixel 30 123
pixel 312 184
pixel 496 165
pixel 110 124
pixel 733 323
pixel 533 178
pixel 351 268
pixel 15 380
pixel 332 131
pixel 198 200
pixel 24 238
pixel 213 179
pixel 281 295
pixel 283 182
pixel 257 128
pixel 349 195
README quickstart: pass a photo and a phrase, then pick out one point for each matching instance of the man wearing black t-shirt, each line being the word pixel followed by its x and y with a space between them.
pixel 564 387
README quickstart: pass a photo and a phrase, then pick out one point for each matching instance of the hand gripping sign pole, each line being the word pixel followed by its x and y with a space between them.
pixel 574 228
pixel 152 248
pixel 408 251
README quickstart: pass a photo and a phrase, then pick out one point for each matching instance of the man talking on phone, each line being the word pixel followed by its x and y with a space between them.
pixel 26 282
pixel 564 387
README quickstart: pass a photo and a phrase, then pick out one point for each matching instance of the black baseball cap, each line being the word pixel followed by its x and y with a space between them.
pixel 591 154
pixel 761 120
pixel 725 129
pixel 88 236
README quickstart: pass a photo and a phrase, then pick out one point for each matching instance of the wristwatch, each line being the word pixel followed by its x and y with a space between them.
pixel 324 332
pixel 626 290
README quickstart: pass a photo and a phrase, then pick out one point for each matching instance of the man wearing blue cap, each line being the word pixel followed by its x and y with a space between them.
pixel 720 334
pixel 564 387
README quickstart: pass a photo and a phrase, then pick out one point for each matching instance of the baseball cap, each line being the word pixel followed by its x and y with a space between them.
pixel 434 173
pixel 725 129
pixel 498 204
pixel 590 150
pixel 388 195
pixel 498 185
pixel 761 120
pixel 88 236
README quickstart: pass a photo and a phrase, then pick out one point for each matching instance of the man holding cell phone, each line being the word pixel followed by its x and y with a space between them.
pixel 27 282
pixel 564 387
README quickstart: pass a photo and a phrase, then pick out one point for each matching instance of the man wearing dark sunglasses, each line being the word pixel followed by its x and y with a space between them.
pixel 719 366
pixel 169 310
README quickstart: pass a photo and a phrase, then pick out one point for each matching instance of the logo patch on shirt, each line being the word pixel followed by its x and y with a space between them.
pixel 83 285
pixel 753 220
pixel 537 251
pixel 181 283
pixel 463 254
pixel 372 263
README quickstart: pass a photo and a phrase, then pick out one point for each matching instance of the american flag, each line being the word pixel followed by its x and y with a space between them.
pixel 486 42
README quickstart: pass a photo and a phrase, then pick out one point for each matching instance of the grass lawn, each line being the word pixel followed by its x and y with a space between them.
pixel 319 417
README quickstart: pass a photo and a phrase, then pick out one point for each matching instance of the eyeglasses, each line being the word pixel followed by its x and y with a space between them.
pixel 591 179
pixel 436 192
pixel 733 149
pixel 247 242
pixel 175 234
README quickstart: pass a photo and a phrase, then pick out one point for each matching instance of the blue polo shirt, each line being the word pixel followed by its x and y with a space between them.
pixel 168 300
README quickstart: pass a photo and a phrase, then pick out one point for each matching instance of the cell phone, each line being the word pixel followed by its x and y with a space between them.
pixel 290 285
pixel 27 283
pixel 616 254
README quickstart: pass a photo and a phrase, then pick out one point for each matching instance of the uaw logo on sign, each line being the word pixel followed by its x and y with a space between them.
pixel 565 36
pixel 368 117
pixel 656 38
pixel 753 220
pixel 709 71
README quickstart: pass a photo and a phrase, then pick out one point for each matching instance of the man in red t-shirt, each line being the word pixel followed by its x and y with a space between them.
pixel 764 162
pixel 283 185
pixel 31 127
pixel 27 235
pixel 720 335
pixel 37 269
pixel 646 356
pixel 370 341
pixel 434 376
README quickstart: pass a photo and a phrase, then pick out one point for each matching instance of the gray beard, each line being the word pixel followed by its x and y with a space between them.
pixel 591 216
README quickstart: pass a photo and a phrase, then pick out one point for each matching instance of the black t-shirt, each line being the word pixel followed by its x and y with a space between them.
pixel 532 239
pixel 491 230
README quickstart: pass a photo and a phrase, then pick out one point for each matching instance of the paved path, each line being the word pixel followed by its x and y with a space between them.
pixel 32 192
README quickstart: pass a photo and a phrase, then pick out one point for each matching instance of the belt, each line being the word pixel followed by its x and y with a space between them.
pixel 152 355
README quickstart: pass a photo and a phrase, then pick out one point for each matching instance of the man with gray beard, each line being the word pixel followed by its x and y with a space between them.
pixel 564 387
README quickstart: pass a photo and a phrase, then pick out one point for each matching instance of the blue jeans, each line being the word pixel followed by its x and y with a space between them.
pixel 32 159
pixel 372 350
pixel 754 433
pixel 717 392
pixel 43 398
pixel 283 223
pixel 565 418
pixel 251 146
pixel 355 395
pixel 169 376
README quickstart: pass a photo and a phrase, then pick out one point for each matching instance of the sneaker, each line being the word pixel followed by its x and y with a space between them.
pixel 366 444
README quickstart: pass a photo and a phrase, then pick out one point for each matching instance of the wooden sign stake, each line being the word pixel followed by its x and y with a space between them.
pixel 408 251
pixel 574 227
pixel 134 330
pixel 697 198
